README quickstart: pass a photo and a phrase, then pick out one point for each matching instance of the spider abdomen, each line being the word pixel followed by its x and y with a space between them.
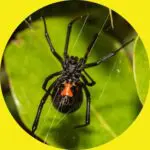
pixel 67 99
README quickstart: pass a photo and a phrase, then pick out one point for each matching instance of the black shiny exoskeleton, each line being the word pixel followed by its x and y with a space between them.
pixel 66 90
pixel 66 103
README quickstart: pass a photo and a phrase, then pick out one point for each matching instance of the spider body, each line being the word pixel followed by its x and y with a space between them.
pixel 67 89
pixel 68 97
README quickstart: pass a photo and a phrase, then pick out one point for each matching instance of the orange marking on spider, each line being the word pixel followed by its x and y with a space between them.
pixel 67 90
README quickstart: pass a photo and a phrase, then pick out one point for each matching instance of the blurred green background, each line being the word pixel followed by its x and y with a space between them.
pixel 121 82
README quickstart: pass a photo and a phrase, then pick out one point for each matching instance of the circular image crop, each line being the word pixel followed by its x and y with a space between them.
pixel 75 74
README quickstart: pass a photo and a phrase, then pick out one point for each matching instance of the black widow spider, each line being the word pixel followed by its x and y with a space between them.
pixel 66 90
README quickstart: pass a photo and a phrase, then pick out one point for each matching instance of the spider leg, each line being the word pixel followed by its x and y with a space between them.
pixel 69 28
pixel 49 78
pixel 92 81
pixel 43 100
pixel 111 54
pixel 50 43
pixel 95 37
pixel 86 81
pixel 88 99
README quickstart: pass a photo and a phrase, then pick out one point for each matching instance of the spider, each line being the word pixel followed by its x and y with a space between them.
pixel 67 90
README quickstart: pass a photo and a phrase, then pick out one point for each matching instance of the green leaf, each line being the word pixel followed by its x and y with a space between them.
pixel 114 100
pixel 141 69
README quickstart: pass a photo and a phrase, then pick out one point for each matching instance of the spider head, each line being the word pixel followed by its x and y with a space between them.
pixel 73 60
pixel 72 64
